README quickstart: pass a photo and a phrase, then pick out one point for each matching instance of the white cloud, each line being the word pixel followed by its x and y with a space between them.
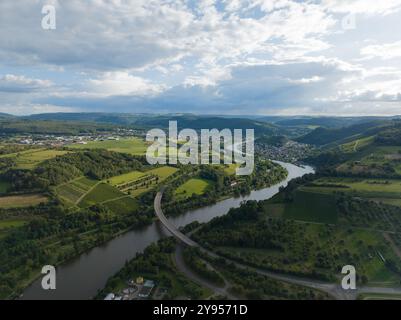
pixel 384 51
pixel 383 7
pixel 122 83
pixel 20 83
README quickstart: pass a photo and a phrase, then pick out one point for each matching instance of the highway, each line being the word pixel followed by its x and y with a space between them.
pixel 169 226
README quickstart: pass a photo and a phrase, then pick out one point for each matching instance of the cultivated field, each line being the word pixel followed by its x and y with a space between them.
pixel 126 178
pixel 306 206
pixel 101 193
pixel 386 190
pixel 122 206
pixel 134 146
pixel 29 159
pixel 21 201
pixel 137 182
pixel 73 191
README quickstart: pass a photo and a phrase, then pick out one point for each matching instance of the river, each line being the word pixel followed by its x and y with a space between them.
pixel 82 277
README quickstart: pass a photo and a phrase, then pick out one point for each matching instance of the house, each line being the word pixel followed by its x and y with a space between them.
pixel 146 290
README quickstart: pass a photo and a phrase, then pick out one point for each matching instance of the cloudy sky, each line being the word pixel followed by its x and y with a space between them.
pixel 326 57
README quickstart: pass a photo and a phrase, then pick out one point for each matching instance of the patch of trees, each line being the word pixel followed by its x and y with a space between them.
pixel 391 136
pixel 191 258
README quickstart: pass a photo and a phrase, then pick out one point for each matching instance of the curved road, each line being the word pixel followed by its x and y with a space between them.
pixel 170 227
pixel 333 289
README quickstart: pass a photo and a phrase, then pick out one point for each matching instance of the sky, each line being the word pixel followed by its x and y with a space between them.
pixel 250 57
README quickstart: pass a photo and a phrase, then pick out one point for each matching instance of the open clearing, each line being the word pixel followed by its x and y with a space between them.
pixel 192 186
pixel 21 201
pixel 151 179
pixel 134 146
pixel 72 191
pixel 386 190
pixel 125 178
pixel 137 182
pixel 29 159
pixel 306 206
pixel 101 193
pixel 122 206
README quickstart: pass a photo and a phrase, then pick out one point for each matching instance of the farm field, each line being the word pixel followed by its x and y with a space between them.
pixel 152 178
pixel 192 186
pixel 72 191
pixel 125 178
pixel 306 206
pixel 20 201
pixel 29 159
pixel 132 183
pixel 122 206
pixel 385 190
pixel 101 193
pixel 134 146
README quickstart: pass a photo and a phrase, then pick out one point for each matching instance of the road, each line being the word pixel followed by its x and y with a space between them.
pixel 169 226
pixel 333 289
pixel 183 268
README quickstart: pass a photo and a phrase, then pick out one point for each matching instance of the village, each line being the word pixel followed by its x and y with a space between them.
pixel 51 140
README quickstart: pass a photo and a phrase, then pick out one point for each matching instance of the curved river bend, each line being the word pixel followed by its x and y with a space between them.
pixel 82 277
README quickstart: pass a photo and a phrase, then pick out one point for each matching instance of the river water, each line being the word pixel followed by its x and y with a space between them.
pixel 82 277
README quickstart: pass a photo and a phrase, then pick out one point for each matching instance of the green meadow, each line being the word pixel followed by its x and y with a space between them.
pixel 29 159
pixel 101 193
pixel 306 206
pixel 192 186
pixel 21 201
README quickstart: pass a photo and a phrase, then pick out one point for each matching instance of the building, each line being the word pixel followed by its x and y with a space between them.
pixel 110 296
pixel 146 290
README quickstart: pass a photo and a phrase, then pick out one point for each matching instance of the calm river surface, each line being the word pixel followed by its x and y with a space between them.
pixel 82 277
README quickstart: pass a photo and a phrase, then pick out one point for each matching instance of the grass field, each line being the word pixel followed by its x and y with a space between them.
pixel 192 186
pixel 162 173
pixel 306 206
pixel 358 144
pixel 125 178
pixel 122 206
pixel 101 193
pixel 29 159
pixel 134 146
pixel 72 191
pixel 21 201
pixel 388 191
